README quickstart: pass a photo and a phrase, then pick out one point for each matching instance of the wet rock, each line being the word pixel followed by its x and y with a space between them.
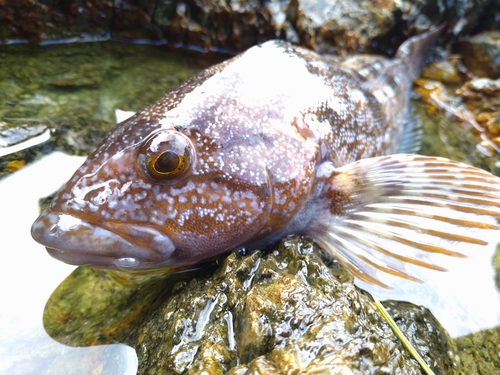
pixel 481 54
pixel 282 311
pixel 109 304
pixel 233 25
pixel 347 25
pixel 133 20
pixel 326 26
pixel 11 134
pixel 22 141
pixel 446 71
pixel 477 87
pixel 35 20
pixel 490 16
pixel 19 136
pixel 430 340
pixel 460 16
pixel 482 99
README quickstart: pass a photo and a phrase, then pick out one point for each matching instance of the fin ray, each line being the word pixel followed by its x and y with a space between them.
pixel 385 212
pixel 426 214
pixel 370 243
pixel 351 248
pixel 398 222
pixel 437 200
pixel 398 238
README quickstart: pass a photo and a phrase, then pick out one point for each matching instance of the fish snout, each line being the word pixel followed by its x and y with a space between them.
pixel 79 242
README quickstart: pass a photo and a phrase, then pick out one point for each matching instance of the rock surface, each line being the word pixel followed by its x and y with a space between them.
pixel 326 26
pixel 275 312
pixel 480 54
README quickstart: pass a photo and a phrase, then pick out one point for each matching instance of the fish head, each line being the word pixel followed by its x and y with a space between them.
pixel 157 193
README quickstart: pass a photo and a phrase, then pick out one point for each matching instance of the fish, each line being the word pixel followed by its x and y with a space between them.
pixel 278 140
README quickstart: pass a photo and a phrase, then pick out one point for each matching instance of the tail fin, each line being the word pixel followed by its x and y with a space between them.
pixel 414 51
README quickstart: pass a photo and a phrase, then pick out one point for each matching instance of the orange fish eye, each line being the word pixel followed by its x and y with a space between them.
pixel 166 156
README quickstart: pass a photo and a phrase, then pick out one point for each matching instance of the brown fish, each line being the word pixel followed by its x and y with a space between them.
pixel 276 141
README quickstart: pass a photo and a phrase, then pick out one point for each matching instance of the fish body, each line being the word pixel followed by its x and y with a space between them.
pixel 276 141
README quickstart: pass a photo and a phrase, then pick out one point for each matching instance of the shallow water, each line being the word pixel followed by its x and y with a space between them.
pixel 28 276
pixel 67 95
pixel 74 101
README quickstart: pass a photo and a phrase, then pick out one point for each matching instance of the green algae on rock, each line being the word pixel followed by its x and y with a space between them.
pixel 496 266
pixel 279 311
pixel 93 306
pixel 479 352
pixel 425 333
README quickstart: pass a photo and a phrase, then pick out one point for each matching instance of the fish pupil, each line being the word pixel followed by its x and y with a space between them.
pixel 167 162
pixel 166 157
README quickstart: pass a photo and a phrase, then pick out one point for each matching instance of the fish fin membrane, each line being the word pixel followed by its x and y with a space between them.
pixel 385 212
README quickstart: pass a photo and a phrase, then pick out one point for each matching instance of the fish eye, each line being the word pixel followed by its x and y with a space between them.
pixel 166 156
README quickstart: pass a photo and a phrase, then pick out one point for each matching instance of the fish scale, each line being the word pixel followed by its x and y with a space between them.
pixel 276 141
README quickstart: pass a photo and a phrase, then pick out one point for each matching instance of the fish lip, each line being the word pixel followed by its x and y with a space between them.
pixel 77 241
pixel 81 259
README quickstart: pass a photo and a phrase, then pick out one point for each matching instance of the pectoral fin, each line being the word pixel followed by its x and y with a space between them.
pixel 384 212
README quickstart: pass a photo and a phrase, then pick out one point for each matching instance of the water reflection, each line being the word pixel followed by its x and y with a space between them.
pixel 28 277
pixel 464 299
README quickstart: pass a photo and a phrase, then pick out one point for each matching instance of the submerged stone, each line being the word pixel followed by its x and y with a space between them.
pixel 282 311
pixel 65 97
pixel 461 115
pixel 481 53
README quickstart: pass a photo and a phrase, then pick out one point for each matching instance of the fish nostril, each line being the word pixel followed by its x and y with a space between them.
pixel 53 230
pixel 102 196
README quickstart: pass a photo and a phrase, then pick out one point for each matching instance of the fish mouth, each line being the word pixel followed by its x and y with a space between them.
pixel 79 242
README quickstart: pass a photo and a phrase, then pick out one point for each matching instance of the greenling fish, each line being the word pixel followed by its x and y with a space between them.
pixel 275 141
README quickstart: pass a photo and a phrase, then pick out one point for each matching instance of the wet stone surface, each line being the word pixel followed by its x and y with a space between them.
pixel 277 312
pixel 481 53
pixel 356 25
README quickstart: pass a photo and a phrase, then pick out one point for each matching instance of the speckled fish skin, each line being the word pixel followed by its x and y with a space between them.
pixel 266 132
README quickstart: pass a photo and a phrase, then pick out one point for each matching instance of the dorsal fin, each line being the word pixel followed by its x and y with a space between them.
pixel 414 50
